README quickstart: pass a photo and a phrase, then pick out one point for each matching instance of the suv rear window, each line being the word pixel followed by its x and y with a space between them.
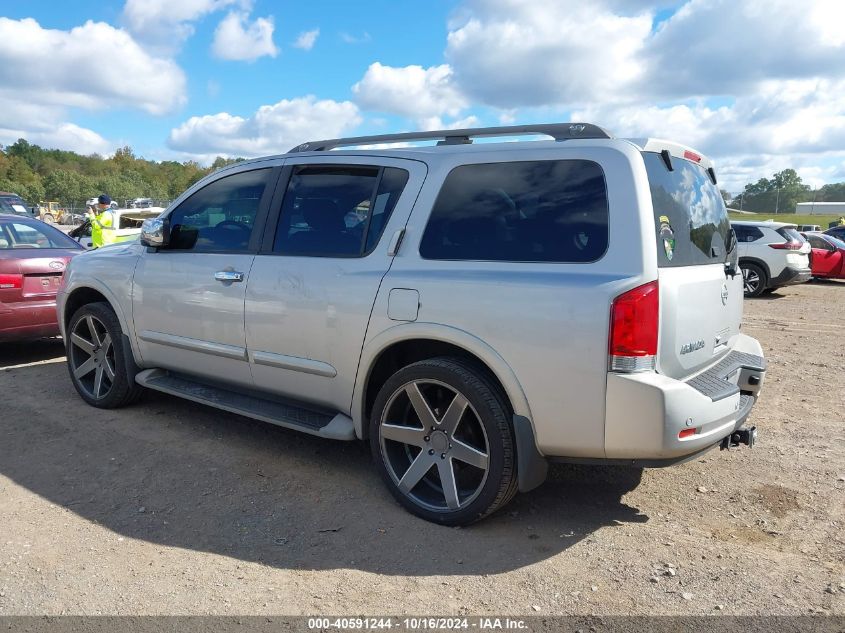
pixel 690 217
pixel 791 235
pixel 527 211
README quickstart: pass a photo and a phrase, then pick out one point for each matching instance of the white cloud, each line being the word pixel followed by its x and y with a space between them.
pixel 166 24
pixel 306 40
pixel 783 123
pixel 238 39
pixel 46 72
pixel 66 136
pixel 712 47
pixel 436 123
pixel 356 39
pixel 91 66
pixel 511 53
pixel 412 91
pixel 272 129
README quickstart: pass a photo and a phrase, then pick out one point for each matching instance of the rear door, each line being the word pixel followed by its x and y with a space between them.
pixel 700 302
pixel 312 287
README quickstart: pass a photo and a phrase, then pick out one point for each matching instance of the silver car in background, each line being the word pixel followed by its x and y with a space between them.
pixel 473 310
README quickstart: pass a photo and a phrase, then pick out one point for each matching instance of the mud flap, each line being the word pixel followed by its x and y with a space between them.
pixel 531 466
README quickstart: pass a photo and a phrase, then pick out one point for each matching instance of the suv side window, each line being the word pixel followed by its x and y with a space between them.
pixel 527 211
pixel 220 217
pixel 337 210
pixel 747 233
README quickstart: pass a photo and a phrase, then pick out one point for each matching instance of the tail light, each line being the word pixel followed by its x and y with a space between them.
pixel 13 282
pixel 692 156
pixel 634 321
pixel 791 245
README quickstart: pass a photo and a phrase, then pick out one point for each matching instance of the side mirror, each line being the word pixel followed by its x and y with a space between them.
pixel 155 232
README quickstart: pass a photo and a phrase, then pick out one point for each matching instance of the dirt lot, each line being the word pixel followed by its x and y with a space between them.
pixel 171 508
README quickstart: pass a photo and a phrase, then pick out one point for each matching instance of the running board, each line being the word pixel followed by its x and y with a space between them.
pixel 288 415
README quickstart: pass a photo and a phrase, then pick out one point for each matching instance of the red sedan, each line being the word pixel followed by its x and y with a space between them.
pixel 827 258
pixel 33 257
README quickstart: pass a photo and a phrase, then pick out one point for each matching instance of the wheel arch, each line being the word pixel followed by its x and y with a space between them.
pixel 93 292
pixel 404 344
pixel 759 262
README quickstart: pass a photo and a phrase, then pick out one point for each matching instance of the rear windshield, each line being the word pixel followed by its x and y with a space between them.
pixel 26 235
pixel 690 218
pixel 791 235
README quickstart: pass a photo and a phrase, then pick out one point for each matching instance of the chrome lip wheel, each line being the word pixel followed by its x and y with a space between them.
pixel 434 446
pixel 751 279
pixel 92 357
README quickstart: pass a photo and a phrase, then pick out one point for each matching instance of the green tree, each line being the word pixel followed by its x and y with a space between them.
pixel 70 188
pixel 778 195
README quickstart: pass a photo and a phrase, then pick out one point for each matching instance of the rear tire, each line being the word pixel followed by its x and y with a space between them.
pixel 441 437
pixel 754 279
pixel 96 358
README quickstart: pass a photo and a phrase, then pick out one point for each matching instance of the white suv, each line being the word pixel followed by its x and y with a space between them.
pixel 771 255
pixel 474 311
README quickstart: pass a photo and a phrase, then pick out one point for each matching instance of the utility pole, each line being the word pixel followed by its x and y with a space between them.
pixel 777 200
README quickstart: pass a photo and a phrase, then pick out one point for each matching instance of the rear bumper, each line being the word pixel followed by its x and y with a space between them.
pixel 26 320
pixel 791 276
pixel 646 412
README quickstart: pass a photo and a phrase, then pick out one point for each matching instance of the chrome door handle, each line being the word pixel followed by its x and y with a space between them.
pixel 228 275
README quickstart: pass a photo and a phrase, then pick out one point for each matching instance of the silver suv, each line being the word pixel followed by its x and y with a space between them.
pixel 474 311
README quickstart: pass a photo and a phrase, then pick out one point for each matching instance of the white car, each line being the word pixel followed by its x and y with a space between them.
pixel 771 255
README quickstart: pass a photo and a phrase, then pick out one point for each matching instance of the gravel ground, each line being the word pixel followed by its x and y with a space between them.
pixel 171 508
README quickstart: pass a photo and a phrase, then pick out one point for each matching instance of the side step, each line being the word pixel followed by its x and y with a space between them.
pixel 286 414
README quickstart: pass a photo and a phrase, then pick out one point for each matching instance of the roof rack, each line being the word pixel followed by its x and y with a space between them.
pixel 558 131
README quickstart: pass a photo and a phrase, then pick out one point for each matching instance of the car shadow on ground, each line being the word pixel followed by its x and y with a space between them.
pixel 174 473
pixel 26 352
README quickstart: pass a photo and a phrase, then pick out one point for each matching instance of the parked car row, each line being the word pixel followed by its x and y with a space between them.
pixel 774 254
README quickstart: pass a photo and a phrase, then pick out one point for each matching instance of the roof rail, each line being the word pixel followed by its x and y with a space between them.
pixel 558 131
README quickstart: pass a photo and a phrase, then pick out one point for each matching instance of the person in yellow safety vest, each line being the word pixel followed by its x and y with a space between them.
pixel 102 219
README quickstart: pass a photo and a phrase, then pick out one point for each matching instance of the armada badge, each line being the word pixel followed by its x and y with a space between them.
pixel 692 347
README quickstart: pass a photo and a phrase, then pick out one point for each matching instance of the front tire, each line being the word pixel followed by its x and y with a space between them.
pixel 441 437
pixel 754 279
pixel 96 358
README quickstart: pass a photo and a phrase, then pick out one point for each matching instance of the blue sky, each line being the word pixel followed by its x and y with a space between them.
pixel 756 84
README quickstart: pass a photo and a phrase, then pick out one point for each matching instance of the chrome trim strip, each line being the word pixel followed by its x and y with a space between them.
pixel 194 345
pixel 294 363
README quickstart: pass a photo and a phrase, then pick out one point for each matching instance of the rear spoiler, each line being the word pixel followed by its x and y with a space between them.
pixel 669 150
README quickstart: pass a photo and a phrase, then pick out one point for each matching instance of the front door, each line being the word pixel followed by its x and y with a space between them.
pixel 313 285
pixel 188 298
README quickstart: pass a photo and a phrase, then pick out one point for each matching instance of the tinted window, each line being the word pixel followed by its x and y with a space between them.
pixel 337 211
pixel 691 221
pixel 20 235
pixel 817 242
pixel 791 235
pixel 537 211
pixel 220 217
pixel 747 233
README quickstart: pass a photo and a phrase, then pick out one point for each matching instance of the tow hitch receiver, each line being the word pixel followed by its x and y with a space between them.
pixel 740 436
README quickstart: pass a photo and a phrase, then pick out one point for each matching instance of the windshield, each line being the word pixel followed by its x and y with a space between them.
pixel 690 217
